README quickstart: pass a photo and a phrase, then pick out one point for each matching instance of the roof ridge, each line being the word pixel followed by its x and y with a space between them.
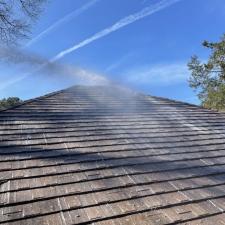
pixel 68 88
pixel 177 101
pixel 44 96
pixel 35 99
pixel 186 103
pixel 41 97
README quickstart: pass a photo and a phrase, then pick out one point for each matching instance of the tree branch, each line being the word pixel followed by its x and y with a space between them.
pixel 14 27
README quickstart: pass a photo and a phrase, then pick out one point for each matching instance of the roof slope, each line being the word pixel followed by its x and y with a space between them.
pixel 103 155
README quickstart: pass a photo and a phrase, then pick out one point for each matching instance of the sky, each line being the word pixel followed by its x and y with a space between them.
pixel 142 44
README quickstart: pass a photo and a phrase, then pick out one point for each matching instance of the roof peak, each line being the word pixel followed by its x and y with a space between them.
pixel 114 90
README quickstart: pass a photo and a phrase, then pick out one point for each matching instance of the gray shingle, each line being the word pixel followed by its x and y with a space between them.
pixel 106 155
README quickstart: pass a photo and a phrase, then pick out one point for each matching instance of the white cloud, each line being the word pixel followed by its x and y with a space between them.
pixel 118 25
pixel 161 74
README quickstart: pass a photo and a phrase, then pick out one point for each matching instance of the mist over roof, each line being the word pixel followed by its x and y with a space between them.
pixel 108 155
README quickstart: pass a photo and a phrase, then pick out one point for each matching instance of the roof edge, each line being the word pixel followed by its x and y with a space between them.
pixel 186 103
pixel 65 89
pixel 33 100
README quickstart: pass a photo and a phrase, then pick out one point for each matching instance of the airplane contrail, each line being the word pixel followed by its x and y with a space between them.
pixel 118 25
pixel 61 21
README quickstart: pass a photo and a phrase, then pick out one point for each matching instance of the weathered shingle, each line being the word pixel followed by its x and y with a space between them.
pixel 105 155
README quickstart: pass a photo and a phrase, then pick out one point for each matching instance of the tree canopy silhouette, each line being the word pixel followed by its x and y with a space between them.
pixel 16 18
pixel 9 102
pixel 208 78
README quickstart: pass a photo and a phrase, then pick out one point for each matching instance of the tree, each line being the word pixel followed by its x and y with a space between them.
pixel 9 102
pixel 208 78
pixel 16 17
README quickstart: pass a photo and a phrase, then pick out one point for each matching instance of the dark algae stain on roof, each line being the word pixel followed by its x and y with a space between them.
pixel 105 155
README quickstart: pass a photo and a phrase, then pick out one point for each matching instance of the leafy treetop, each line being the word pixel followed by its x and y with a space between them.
pixel 208 78
pixel 9 102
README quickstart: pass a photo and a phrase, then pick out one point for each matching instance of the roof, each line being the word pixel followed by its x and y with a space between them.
pixel 105 155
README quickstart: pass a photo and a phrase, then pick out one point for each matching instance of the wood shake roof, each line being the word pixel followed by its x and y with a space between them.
pixel 104 155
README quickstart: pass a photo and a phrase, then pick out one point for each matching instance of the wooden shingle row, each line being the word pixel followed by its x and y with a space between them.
pixel 106 155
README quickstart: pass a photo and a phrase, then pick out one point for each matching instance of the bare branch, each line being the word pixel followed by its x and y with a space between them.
pixel 16 17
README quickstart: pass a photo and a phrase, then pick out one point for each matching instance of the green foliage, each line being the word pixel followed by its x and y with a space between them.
pixel 208 79
pixel 9 102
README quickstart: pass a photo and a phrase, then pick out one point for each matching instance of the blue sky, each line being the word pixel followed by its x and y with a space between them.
pixel 149 54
